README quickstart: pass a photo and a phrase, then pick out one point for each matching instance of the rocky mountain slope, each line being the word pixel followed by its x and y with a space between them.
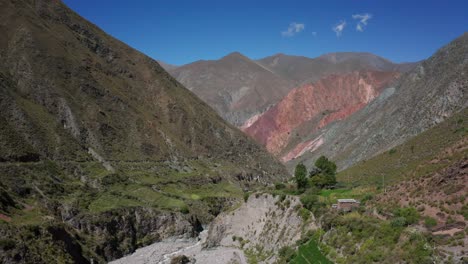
pixel 235 86
pixel 303 69
pixel 309 108
pixel 101 150
pixel 434 90
pixel 240 89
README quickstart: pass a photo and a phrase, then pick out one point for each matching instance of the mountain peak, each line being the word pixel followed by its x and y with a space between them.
pixel 235 55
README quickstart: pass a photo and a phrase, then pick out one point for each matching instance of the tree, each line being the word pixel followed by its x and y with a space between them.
pixel 326 166
pixel 327 175
pixel 300 176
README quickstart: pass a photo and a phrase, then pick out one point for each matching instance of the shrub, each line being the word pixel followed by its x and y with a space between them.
pixel 410 214
pixel 7 244
pixel 304 213
pixel 399 222
pixel 282 197
pixel 287 253
pixel 184 209
pixel 309 201
pixel 430 222
pixel 246 196
pixel 280 186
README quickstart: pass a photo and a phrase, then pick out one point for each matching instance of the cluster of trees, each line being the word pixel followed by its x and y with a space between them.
pixel 323 176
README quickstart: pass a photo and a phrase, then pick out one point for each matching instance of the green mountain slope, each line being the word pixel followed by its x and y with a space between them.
pixel 102 151
pixel 444 143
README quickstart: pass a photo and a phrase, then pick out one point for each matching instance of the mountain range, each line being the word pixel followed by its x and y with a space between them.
pixel 104 151
pixel 240 88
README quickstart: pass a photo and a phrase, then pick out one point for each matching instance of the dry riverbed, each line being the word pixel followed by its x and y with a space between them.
pixel 162 252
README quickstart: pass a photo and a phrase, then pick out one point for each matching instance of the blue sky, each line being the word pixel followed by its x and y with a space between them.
pixel 183 31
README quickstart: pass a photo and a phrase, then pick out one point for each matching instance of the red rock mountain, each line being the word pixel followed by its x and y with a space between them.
pixel 240 89
pixel 310 107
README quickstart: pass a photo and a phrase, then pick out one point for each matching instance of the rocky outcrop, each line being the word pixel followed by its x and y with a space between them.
pixel 122 231
pixel 259 227
pixel 263 224
pixel 311 107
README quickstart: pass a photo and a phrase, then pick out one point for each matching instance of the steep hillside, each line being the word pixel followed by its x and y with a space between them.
pixel 432 150
pixel 303 69
pixel 429 173
pixel 434 90
pixel 235 86
pixel 101 150
pixel 311 107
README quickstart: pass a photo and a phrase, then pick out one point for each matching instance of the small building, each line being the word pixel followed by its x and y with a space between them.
pixel 346 204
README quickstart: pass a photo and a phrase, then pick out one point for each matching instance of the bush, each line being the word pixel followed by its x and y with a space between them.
pixel 304 213
pixel 287 253
pixel 309 201
pixel 184 209
pixel 7 244
pixel 410 214
pixel 280 186
pixel 430 222
pixel 399 222
pixel 246 196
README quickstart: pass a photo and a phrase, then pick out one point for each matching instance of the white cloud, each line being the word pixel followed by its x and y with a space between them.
pixel 293 29
pixel 339 28
pixel 363 18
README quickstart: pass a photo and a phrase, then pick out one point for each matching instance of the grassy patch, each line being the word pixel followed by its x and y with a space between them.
pixel 310 253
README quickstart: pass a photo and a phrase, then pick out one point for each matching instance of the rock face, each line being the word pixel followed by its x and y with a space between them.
pixel 235 86
pixel 434 90
pixel 311 107
pixel 264 223
pixel 121 229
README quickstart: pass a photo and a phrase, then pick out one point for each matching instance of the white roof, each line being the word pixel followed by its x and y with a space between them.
pixel 348 201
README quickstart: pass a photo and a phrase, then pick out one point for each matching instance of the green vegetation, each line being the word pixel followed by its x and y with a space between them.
pixel 409 214
pixel 286 254
pixel 326 177
pixel 430 222
pixel 370 240
pixel 310 253
pixel 412 158
pixel 300 176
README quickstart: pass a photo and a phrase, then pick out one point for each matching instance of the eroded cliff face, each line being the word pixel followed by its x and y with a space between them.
pixel 311 107
pixel 263 225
